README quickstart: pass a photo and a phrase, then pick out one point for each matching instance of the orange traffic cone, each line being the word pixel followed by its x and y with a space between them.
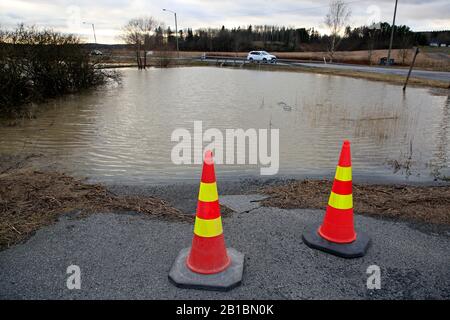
pixel 337 234
pixel 208 264
pixel 208 253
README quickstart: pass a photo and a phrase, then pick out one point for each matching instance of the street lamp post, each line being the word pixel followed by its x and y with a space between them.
pixel 392 35
pixel 93 29
pixel 176 29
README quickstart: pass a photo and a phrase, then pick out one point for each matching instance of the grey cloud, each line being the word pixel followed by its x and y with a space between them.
pixel 110 15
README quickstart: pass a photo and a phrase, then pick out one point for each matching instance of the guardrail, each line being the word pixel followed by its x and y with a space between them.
pixel 228 58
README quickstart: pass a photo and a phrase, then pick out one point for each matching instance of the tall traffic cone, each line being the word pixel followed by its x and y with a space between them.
pixel 337 233
pixel 208 264
pixel 208 253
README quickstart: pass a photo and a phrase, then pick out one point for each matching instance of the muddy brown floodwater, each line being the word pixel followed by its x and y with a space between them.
pixel 123 133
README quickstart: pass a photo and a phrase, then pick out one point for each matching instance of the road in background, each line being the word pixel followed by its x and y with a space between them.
pixel 431 75
pixel 424 74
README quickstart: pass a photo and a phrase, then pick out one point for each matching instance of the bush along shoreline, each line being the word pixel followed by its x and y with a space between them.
pixel 38 64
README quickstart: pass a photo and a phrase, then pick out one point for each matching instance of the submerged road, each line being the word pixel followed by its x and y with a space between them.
pixel 424 74
pixel 128 256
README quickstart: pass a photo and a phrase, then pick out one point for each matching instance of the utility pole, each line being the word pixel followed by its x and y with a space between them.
pixel 176 30
pixel 410 68
pixel 93 29
pixel 392 35
pixel 95 37
pixel 176 37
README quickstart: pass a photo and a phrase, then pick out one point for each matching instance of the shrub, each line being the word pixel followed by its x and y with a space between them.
pixel 39 64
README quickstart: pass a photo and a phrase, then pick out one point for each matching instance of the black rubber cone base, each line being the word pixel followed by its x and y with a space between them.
pixel 356 249
pixel 183 277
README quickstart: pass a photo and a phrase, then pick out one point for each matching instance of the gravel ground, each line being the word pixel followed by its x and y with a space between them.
pixel 128 256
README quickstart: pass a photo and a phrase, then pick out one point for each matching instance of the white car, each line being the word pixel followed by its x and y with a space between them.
pixel 261 56
pixel 96 53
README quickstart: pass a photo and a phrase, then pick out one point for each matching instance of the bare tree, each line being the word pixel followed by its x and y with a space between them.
pixel 406 44
pixel 138 32
pixel 148 26
pixel 336 19
pixel 131 34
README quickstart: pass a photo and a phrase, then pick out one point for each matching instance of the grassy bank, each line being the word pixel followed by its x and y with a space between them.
pixel 406 203
pixel 31 199
pixel 428 59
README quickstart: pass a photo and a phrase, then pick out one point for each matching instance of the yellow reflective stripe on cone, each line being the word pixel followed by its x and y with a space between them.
pixel 208 192
pixel 339 201
pixel 208 228
pixel 343 173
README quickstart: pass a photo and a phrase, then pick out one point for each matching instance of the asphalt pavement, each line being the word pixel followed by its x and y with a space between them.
pixel 416 73
pixel 128 256
pixel 431 75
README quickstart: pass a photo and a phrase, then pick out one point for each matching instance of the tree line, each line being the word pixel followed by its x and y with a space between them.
pixel 147 34
pixel 285 39
pixel 273 38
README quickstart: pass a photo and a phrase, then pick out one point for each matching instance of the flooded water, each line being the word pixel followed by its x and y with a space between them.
pixel 123 133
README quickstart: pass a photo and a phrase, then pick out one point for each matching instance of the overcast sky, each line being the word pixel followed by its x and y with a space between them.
pixel 110 15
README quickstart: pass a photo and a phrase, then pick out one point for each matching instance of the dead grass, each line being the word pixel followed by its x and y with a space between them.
pixel 410 203
pixel 392 78
pixel 31 199
pixel 425 60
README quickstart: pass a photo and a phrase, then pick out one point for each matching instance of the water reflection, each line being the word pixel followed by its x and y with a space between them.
pixel 440 161
pixel 123 132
